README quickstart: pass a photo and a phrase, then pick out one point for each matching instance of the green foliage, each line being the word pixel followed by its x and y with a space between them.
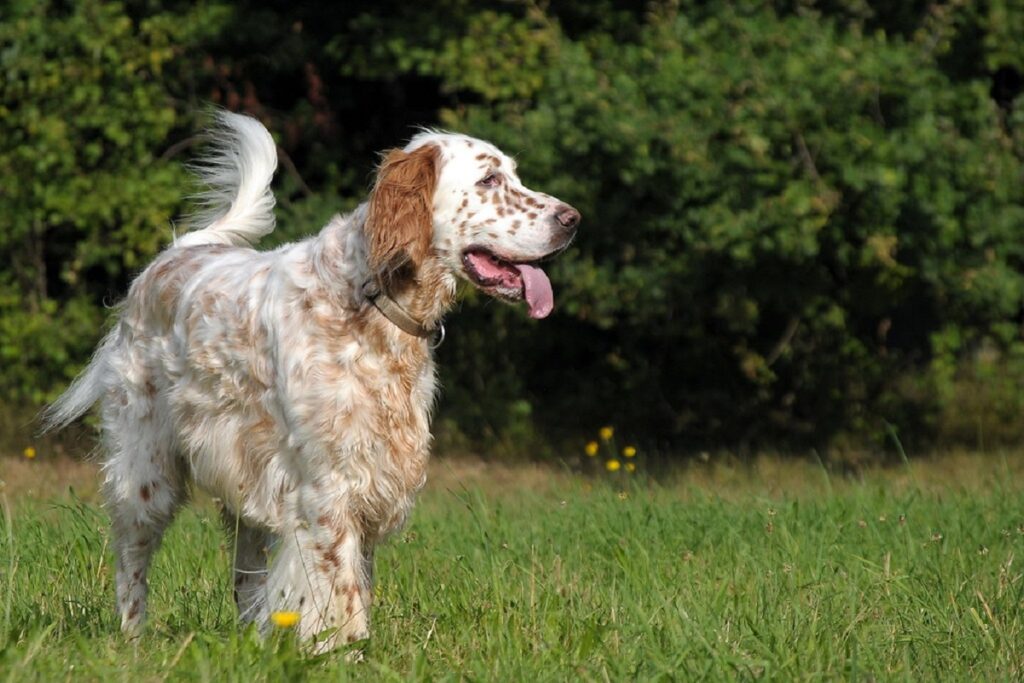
pixel 783 211
pixel 86 198
pixel 790 207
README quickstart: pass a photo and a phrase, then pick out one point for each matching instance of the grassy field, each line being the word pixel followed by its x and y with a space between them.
pixel 776 571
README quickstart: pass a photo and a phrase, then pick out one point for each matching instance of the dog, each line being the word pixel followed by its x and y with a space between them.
pixel 296 385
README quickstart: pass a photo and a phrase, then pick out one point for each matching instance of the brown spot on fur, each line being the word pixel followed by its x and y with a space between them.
pixel 333 557
pixel 167 277
pixel 133 611
pixel 144 492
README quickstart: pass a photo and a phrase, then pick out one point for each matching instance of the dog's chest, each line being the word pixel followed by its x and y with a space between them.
pixel 369 405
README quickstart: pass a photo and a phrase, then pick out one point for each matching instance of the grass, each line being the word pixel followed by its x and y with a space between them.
pixel 776 571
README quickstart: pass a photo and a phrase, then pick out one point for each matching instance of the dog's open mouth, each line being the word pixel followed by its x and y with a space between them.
pixel 510 280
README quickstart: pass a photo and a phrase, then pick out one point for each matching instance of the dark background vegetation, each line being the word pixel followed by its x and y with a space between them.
pixel 803 220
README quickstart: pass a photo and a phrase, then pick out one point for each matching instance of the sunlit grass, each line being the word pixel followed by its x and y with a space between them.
pixel 725 573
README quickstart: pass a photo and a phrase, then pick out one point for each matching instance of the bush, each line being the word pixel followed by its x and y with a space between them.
pixel 780 213
pixel 801 218
pixel 87 197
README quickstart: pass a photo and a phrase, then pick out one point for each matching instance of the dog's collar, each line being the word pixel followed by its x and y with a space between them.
pixel 401 318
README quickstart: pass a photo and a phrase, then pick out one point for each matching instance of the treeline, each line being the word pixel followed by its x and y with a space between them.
pixel 803 221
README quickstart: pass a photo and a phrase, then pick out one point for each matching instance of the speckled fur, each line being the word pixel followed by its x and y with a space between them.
pixel 269 381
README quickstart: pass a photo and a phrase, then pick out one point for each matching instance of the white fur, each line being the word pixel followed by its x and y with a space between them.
pixel 237 204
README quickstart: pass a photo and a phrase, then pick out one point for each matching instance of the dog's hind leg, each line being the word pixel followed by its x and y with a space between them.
pixel 143 487
pixel 252 545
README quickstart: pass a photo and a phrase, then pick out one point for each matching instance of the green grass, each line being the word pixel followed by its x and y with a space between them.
pixel 858 581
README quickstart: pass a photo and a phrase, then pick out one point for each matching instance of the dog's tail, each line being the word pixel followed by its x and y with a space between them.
pixel 237 206
pixel 87 388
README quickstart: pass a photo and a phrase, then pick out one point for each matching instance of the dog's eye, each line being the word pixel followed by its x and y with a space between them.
pixel 490 180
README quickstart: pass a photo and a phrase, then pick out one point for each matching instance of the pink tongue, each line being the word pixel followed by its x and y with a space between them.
pixel 537 288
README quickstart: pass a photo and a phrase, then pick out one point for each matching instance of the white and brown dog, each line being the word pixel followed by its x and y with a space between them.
pixel 297 385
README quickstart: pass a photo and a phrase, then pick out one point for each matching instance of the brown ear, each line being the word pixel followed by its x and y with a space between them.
pixel 399 221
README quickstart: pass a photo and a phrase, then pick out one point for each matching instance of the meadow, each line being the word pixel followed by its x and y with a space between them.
pixel 774 569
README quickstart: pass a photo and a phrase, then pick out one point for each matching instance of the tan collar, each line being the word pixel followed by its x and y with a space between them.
pixel 401 318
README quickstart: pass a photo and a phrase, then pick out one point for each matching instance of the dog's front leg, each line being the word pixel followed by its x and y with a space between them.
pixel 320 572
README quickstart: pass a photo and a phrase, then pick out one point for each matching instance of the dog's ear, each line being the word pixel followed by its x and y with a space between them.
pixel 399 221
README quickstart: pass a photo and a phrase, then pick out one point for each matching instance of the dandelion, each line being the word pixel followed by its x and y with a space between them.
pixel 606 433
pixel 613 465
pixel 629 452
pixel 631 467
pixel 284 619
pixel 590 449
pixel 29 452
pixel 623 495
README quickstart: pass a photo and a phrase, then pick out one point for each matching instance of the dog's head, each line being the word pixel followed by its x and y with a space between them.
pixel 458 200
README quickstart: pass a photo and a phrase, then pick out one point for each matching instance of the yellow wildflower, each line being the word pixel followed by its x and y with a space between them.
pixel 29 452
pixel 606 433
pixel 591 448
pixel 631 467
pixel 284 619
pixel 629 451
pixel 613 465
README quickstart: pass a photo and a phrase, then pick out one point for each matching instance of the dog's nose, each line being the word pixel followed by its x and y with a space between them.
pixel 567 217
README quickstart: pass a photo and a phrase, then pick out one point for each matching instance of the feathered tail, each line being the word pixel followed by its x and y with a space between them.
pixel 237 206
pixel 87 388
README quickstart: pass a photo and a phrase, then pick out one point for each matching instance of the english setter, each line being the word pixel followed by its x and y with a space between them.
pixel 297 385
